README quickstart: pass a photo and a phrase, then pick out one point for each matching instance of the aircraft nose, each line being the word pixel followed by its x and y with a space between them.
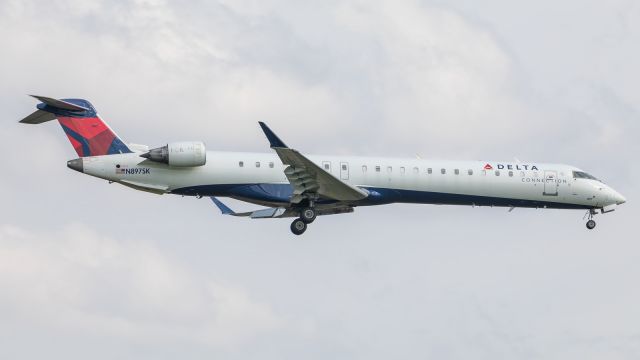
pixel 617 197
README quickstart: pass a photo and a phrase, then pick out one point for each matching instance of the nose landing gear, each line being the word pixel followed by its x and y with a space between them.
pixel 591 224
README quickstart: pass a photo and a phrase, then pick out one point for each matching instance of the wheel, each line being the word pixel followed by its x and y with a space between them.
pixel 298 227
pixel 591 224
pixel 308 215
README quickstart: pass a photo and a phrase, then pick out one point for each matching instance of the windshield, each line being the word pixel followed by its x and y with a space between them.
pixel 583 175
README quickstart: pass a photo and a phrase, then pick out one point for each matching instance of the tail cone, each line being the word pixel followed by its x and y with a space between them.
pixel 76 164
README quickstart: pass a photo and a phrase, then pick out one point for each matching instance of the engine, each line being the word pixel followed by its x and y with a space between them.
pixel 181 154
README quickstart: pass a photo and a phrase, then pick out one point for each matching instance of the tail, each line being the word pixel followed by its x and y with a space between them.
pixel 88 134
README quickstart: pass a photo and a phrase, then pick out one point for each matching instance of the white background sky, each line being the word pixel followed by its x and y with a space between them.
pixel 91 270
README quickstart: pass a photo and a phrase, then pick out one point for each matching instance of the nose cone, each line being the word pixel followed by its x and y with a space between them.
pixel 617 197
pixel 76 164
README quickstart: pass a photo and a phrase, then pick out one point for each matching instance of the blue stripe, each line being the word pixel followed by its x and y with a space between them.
pixel 79 138
pixel 281 193
pixel 118 147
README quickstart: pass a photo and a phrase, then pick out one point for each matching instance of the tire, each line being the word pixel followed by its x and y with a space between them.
pixel 591 224
pixel 308 215
pixel 298 227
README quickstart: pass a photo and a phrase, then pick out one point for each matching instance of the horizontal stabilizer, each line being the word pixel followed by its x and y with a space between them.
pixel 60 104
pixel 49 110
pixel 38 117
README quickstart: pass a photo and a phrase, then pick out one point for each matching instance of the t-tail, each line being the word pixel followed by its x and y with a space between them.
pixel 88 134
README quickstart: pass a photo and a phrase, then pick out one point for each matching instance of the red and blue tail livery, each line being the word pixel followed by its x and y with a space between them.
pixel 88 134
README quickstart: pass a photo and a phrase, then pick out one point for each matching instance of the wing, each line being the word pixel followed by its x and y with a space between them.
pixel 308 179
pixel 257 214
pixel 279 212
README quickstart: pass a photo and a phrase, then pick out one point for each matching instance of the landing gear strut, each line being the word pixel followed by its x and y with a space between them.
pixel 591 223
pixel 307 216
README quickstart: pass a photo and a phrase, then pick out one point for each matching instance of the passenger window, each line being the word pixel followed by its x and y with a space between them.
pixel 241 163
pixel 456 171
pixel 257 164
pixel 271 164
pixel 416 170
pixel 364 168
pixel 326 166
pixel 377 168
pixel 389 169
pixel 344 167
pixel 402 170
pixel 470 172
pixel 497 172
pixel 429 171
pixel 443 171
pixel 510 173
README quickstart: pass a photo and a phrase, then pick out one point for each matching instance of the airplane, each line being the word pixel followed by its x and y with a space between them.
pixel 290 184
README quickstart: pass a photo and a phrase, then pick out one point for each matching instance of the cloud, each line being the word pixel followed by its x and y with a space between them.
pixel 81 282
pixel 402 70
pixel 452 79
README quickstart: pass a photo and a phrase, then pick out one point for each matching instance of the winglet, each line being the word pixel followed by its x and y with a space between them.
pixel 274 140
pixel 223 208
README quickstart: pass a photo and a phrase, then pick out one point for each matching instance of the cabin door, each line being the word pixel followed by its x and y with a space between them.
pixel 344 170
pixel 550 183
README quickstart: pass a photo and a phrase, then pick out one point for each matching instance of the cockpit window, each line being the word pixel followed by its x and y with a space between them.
pixel 583 175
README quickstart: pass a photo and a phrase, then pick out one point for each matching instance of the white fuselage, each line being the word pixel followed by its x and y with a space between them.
pixel 245 175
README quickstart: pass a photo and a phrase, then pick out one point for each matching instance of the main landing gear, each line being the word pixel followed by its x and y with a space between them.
pixel 298 227
pixel 591 224
pixel 307 216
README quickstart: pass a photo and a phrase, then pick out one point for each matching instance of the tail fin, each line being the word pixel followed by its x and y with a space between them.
pixel 88 134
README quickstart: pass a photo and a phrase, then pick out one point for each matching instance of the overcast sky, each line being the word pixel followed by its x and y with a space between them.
pixel 92 270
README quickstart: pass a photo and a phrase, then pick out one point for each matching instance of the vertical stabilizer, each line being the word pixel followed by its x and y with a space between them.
pixel 88 133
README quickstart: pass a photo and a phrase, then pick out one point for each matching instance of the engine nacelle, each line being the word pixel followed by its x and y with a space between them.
pixel 180 154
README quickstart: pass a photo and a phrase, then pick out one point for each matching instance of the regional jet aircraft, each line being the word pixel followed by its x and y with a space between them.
pixel 290 184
